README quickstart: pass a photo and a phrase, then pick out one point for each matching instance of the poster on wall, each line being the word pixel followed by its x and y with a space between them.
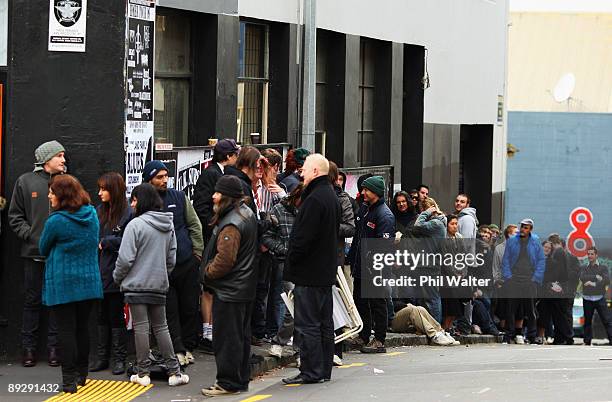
pixel 139 136
pixel 67 25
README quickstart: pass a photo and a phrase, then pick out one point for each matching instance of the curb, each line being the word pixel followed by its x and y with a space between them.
pixel 269 363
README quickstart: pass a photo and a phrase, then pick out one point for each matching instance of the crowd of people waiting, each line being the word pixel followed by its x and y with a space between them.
pixel 209 273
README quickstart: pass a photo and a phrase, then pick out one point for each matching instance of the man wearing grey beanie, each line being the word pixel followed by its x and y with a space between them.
pixel 28 212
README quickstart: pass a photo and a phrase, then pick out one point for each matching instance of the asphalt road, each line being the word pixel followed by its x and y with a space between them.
pixel 461 373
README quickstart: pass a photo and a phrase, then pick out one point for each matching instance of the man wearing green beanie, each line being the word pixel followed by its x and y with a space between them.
pixel 27 215
pixel 374 220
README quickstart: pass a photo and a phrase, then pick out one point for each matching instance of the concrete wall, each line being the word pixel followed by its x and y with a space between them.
pixel 564 161
pixel 465 41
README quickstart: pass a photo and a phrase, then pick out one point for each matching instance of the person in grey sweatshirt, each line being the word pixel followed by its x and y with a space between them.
pixel 146 256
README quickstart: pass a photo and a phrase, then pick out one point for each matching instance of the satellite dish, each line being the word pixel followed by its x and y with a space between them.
pixel 564 88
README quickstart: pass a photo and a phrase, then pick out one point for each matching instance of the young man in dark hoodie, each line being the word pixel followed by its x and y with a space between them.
pixel 595 278
pixel 374 220
pixel 27 215
pixel 182 303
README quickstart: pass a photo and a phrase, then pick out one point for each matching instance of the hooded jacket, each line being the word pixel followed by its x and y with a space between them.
pixel 467 224
pixel 534 251
pixel 29 210
pixel 70 243
pixel 147 254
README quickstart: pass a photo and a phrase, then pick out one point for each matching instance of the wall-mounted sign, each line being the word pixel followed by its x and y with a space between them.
pixel 67 24
pixel 139 138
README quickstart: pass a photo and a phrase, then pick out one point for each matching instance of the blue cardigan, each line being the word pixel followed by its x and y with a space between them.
pixel 70 243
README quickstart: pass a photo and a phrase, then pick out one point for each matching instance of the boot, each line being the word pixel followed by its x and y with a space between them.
pixel 69 380
pixel 102 356
pixel 119 349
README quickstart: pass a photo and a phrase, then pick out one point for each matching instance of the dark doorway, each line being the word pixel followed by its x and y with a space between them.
pixel 475 163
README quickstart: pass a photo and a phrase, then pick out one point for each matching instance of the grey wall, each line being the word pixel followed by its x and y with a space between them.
pixel 208 6
pixel 441 147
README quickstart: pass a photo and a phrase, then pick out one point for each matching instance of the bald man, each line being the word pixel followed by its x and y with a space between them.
pixel 311 266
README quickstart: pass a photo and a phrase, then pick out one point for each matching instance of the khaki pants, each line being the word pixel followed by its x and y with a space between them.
pixel 417 317
pixel 347 275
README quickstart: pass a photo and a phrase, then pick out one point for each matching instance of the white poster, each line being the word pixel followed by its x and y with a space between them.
pixel 67 23
pixel 139 133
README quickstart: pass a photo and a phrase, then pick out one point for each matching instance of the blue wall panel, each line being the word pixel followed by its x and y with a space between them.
pixel 564 161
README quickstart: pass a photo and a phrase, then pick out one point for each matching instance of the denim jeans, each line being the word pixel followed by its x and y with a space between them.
pixel 34 273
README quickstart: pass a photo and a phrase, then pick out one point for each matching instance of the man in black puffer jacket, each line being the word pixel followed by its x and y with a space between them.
pixel 311 266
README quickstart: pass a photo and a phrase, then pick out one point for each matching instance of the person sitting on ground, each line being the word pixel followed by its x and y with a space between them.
pixel 418 320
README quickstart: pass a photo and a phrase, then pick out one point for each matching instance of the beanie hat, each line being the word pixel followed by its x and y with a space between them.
pixel 46 151
pixel 300 155
pixel 151 168
pixel 229 186
pixel 361 179
pixel 375 184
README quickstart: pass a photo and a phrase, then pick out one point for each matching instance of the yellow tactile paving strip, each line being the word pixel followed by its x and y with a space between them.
pixel 103 391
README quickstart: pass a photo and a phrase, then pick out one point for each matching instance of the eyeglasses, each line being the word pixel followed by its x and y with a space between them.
pixel 414 198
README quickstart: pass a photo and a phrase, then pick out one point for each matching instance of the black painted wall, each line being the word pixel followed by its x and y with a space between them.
pixel 477 161
pixel 75 98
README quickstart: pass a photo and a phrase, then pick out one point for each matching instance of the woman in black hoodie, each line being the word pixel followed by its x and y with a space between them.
pixel 114 214
pixel 404 212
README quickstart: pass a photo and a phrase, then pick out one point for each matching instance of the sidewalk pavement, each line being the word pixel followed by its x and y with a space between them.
pixel 202 373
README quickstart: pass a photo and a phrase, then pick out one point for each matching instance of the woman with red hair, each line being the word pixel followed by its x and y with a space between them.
pixel 69 242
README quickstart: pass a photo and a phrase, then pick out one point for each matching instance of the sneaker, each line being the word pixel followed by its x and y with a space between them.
pixel 519 340
pixel 189 357
pixel 337 361
pixel 145 381
pixel 476 330
pixel 440 339
pixel 453 341
pixel 538 340
pixel 276 350
pixel 298 362
pixel 178 379
pixel 182 359
pixel 375 346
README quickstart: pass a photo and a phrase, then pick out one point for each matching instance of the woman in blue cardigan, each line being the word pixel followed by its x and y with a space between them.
pixel 72 279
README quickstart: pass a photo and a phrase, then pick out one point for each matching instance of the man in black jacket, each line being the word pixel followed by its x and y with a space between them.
pixel 227 271
pixel 27 215
pixel 595 279
pixel 311 266
pixel 225 154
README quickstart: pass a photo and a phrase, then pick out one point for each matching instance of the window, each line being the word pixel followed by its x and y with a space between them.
pixel 252 113
pixel 365 134
pixel 172 78
pixel 321 98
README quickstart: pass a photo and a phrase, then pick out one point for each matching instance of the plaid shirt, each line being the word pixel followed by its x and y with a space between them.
pixel 276 238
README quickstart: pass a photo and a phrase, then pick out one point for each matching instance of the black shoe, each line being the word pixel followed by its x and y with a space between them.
pixel 53 358
pixel 587 343
pixel 119 349
pixel 299 380
pixel 81 380
pixel 29 358
pixel 70 388
pixel 206 346
pixel 99 365
pixel 118 367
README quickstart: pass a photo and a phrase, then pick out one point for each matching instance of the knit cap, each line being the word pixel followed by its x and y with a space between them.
pixel 46 151
pixel 375 184
pixel 300 155
pixel 229 186
pixel 151 169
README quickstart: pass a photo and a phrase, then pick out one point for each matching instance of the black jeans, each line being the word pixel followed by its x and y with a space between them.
pixel 110 310
pixel 555 310
pixel 232 343
pixel 604 314
pixel 370 309
pixel 34 273
pixel 73 333
pixel 314 325
pixel 263 264
pixel 275 305
pixel 182 306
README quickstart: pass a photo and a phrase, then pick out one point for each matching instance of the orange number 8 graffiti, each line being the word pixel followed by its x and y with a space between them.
pixel 580 219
